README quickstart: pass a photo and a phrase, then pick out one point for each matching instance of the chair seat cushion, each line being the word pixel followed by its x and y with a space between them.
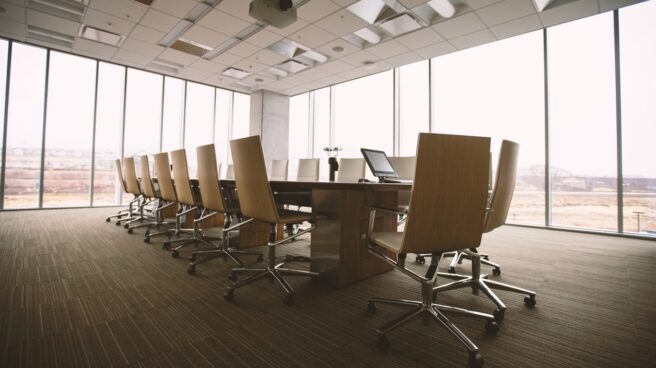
pixel 388 240
pixel 294 217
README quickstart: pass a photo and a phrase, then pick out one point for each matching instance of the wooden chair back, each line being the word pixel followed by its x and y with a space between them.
pixel 163 175
pixel 308 169
pixel 504 186
pixel 255 195
pixel 279 170
pixel 130 175
pixel 208 179
pixel 119 174
pixel 181 177
pixel 146 180
pixel 449 194
pixel 350 169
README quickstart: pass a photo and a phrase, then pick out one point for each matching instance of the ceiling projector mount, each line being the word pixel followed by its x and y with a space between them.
pixel 277 13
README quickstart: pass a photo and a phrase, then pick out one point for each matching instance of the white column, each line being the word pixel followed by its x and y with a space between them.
pixel 270 120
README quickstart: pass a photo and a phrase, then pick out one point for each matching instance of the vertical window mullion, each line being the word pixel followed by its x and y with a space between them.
pixel 4 128
pixel 547 137
pixel 43 134
pixel 93 138
pixel 618 117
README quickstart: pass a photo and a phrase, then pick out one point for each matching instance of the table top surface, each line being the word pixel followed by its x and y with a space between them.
pixel 287 185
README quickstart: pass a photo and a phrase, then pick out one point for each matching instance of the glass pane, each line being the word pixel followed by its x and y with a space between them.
pixel 638 58
pixel 4 47
pixel 413 109
pixel 299 107
pixel 143 113
pixel 583 126
pixel 497 90
pixel 364 115
pixel 199 121
pixel 174 93
pixel 322 129
pixel 71 99
pixel 25 126
pixel 241 116
pixel 222 127
pixel 109 123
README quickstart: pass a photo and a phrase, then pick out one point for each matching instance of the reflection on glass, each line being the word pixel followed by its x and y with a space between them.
pixel 174 94
pixel 299 107
pixel 25 126
pixel 582 122
pixel 413 109
pixel 241 115
pixel 109 123
pixel 199 121
pixel 4 54
pixel 497 90
pixel 638 58
pixel 322 129
pixel 222 127
pixel 69 130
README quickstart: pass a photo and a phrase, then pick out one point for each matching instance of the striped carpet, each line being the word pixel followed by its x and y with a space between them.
pixel 76 291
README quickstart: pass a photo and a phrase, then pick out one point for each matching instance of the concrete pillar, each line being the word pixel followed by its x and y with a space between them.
pixel 270 120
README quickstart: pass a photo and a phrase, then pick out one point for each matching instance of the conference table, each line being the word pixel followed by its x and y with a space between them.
pixel 338 248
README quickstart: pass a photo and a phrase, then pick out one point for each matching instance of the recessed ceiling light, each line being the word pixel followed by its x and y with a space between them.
pixel 369 65
pixel 399 25
pixel 235 73
pixel 292 66
pixel 443 7
pixel 338 49
pixel 99 35
pixel 259 80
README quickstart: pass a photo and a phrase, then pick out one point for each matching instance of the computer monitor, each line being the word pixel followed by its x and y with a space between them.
pixel 379 164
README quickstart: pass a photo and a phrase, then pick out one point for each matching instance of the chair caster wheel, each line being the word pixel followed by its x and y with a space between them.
pixel 420 259
pixel 476 360
pixel 260 258
pixel 496 271
pixel 232 276
pixel 492 327
pixel 126 226
pixel 530 300
pixel 498 315
pixel 452 270
pixel 166 245
pixel 117 223
pixel 371 308
pixel 229 295
pixel 175 254
pixel 146 240
pixel 107 220
pixel 287 300
pixel 130 231
pixel 192 258
pixel 382 343
pixel 191 270
pixel 486 257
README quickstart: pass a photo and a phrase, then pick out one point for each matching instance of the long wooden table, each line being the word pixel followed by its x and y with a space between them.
pixel 338 249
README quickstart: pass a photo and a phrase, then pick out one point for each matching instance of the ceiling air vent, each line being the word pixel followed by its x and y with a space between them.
pixel 68 9
pixel 190 47
pixel 99 35
pixel 46 35
pixel 145 2
pixel 235 73
pixel 165 65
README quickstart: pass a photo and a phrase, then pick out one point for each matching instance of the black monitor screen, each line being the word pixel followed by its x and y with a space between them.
pixel 378 163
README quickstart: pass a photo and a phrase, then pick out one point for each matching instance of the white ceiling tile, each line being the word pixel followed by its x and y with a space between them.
pixel 506 11
pixel 297 80
pixel 147 34
pixel 206 65
pixel 194 74
pixel 387 49
pixel 473 39
pixel 312 36
pixel 223 23
pixel 52 23
pixel 335 67
pixel 267 57
pixel 48 44
pixel 477 4
pixel 344 3
pixel 435 50
pixel 177 8
pixel 459 26
pixel 258 81
pixel 280 84
pixel 294 91
pixel 315 73
pixel 13 29
pixel 404 59
pixel 264 38
pixel 350 74
pixel 204 36
pixel 315 10
pixel 327 49
pixel 13 12
pixel 244 49
pixel 412 3
pixel 132 58
pixel 94 48
pixel 517 27
pixel 341 23
pixel 178 57
pixel 569 11
pixel 606 5
pixel 108 22
pixel 250 66
pixel 125 9
pixel 356 59
pixel 226 59
pixel 141 47
pixel 420 38
pixel 238 8
pixel 160 21
pixel 294 27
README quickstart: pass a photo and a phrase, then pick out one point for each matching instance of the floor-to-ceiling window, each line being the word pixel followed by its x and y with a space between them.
pixel 582 121
pixel 321 136
pixel 4 58
pixel 143 111
pixel 299 114
pixel 222 120
pixel 199 121
pixel 496 90
pixel 69 130
pixel 109 125
pixel 173 118
pixel 637 30
pixel 414 84
pixel 25 126
pixel 241 115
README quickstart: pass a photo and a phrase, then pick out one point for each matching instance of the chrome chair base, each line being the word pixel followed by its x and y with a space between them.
pixel 480 282
pixel 459 256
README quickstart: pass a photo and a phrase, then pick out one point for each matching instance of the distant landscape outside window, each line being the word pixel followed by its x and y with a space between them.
pixel 223 112
pixel 172 120
pixel 322 129
pixel 583 123
pixel 241 126
pixel 638 72
pixel 4 55
pixel 25 126
pixel 497 90
pixel 298 131
pixel 413 109
pixel 109 123
pixel 199 122
pixel 69 131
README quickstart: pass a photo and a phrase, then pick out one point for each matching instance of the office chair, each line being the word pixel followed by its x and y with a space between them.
pixel 257 203
pixel 308 169
pixel 132 183
pixel 230 173
pixel 351 169
pixel 446 213
pixel 279 170
pixel 213 201
pixel 495 217
pixel 151 193
pixel 188 204
pixel 134 202
pixel 405 169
